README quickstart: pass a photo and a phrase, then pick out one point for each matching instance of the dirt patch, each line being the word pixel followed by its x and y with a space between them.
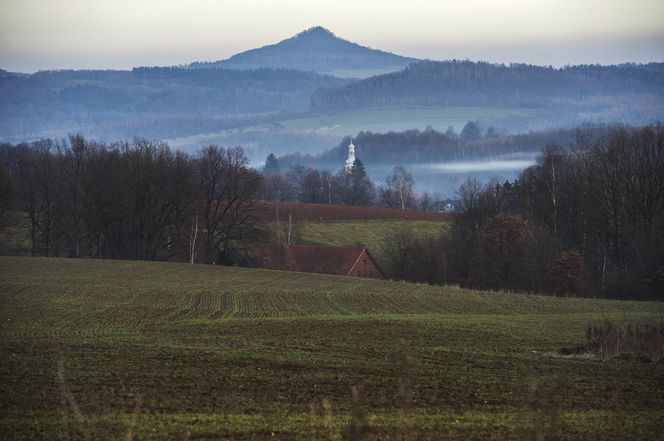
pixel 179 314
pixel 166 312
pixel 223 306
pixel 197 301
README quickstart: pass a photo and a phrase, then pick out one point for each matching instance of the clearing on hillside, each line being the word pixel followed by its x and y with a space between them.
pixel 109 350
pixel 401 119
pixel 371 233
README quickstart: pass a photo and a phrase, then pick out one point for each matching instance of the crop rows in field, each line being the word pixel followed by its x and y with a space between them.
pixel 181 292
pixel 229 353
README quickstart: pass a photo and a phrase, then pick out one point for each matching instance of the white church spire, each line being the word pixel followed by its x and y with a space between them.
pixel 351 157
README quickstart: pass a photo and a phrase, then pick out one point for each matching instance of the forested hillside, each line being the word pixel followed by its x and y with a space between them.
pixel 155 102
pixel 636 89
pixel 431 146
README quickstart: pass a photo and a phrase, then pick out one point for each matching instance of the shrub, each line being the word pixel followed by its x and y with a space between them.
pixel 567 273
pixel 640 341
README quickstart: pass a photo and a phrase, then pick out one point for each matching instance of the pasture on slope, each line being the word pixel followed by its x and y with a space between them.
pixel 117 349
pixel 373 234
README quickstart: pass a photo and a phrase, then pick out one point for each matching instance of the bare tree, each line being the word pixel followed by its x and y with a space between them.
pixel 74 163
pixel 398 189
pixel 193 237
pixel 426 202
pixel 229 189
pixel 297 175
pixel 38 189
pixel 278 188
pixel 155 183
pixel 313 187
pixel 328 180
pixel 6 193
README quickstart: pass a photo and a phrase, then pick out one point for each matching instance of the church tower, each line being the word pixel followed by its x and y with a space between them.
pixel 351 157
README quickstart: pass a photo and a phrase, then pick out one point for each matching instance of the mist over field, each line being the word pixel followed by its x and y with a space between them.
pixel 444 179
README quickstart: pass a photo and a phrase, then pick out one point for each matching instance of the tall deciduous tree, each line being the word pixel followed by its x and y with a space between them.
pixel 314 188
pixel 6 193
pixel 229 189
pixel 38 188
pixel 398 189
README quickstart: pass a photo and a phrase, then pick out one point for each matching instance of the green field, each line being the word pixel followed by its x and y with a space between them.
pixel 407 118
pixel 138 350
pixel 373 234
pixel 361 73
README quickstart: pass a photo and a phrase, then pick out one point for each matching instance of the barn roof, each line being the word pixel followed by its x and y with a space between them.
pixel 314 258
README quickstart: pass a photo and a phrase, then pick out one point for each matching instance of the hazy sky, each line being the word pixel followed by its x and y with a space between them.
pixel 49 34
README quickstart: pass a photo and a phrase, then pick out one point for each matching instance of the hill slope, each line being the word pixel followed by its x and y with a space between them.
pixel 111 350
pixel 316 49
pixel 150 102
pixel 81 290
pixel 612 92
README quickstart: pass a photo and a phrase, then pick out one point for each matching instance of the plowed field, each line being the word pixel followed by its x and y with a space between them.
pixel 101 350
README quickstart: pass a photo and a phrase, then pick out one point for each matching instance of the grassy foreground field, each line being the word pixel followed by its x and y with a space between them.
pixel 139 350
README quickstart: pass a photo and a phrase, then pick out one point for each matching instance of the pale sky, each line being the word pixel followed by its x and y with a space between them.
pixel 120 34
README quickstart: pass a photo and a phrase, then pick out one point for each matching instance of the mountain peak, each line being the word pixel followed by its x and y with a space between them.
pixel 316 49
pixel 316 31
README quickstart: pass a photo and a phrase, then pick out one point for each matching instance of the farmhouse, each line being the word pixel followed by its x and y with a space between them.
pixel 354 261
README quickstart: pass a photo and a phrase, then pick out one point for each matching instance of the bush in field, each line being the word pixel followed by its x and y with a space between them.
pixel 609 339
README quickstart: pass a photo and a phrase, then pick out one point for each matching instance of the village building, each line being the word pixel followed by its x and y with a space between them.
pixel 350 162
pixel 354 261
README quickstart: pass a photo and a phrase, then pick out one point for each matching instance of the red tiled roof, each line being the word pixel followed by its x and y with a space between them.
pixel 312 258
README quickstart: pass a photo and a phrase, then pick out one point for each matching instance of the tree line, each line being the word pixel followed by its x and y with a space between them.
pixel 432 146
pixel 354 187
pixel 580 222
pixel 137 200
pixel 142 200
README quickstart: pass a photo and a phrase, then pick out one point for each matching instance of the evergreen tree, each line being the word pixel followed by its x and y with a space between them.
pixel 355 187
pixel 271 164
pixel 471 132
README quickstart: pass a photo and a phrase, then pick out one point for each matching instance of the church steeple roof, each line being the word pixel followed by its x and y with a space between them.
pixel 351 157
